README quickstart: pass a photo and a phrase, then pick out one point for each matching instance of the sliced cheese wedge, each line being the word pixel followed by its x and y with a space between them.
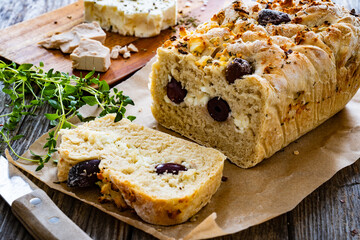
pixel 68 41
pixel 91 55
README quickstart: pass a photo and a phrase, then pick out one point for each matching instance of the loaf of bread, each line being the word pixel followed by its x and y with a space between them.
pixel 166 180
pixel 258 75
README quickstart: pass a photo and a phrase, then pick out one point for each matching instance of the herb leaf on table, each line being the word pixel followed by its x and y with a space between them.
pixel 30 87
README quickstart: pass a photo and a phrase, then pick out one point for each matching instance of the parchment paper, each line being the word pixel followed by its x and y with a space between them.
pixel 249 196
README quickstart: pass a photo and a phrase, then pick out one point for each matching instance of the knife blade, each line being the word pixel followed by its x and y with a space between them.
pixel 34 208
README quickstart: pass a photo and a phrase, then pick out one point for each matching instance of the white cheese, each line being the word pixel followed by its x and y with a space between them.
pixel 91 55
pixel 241 121
pixel 126 55
pixel 123 50
pixel 68 41
pixel 114 53
pixel 140 18
pixel 132 48
pixel 200 99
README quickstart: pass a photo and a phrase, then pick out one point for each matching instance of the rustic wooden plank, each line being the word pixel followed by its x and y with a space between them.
pixel 274 229
pixel 333 210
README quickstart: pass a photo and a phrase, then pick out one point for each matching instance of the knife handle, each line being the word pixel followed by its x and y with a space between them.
pixel 43 219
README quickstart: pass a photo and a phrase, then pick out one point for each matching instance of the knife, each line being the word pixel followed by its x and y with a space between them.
pixel 34 208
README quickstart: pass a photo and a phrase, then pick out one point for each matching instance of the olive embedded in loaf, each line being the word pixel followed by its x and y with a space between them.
pixel 258 75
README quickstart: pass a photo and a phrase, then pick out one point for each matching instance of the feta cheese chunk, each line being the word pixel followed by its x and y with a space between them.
pixel 132 48
pixel 68 41
pixel 114 53
pixel 140 18
pixel 90 55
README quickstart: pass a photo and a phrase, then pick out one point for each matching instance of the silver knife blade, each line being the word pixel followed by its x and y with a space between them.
pixel 34 208
pixel 13 184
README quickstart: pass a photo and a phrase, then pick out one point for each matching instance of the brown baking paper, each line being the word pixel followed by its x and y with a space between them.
pixel 249 196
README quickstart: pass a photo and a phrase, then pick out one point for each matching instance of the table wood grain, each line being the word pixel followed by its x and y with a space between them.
pixel 330 212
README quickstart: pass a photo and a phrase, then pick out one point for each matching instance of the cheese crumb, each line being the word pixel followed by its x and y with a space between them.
pixel 126 55
pixel 114 53
pixel 123 50
pixel 132 48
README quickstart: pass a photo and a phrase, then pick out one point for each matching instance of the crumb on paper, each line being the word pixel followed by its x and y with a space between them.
pixel 140 110
pixel 193 218
pixel 354 232
pixel 69 17
pixel 296 152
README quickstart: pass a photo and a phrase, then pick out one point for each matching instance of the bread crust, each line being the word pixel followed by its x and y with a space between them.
pixel 164 212
pixel 129 154
pixel 305 71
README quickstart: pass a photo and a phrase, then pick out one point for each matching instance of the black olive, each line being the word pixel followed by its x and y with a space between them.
pixel 84 174
pixel 236 69
pixel 175 92
pixel 271 16
pixel 172 168
pixel 218 109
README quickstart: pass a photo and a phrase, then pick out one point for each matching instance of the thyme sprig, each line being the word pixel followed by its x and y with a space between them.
pixel 30 87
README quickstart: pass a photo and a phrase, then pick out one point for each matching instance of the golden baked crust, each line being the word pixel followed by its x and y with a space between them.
pixel 305 69
pixel 130 154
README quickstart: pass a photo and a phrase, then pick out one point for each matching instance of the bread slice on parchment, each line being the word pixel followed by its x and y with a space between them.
pixel 166 180
pixel 258 75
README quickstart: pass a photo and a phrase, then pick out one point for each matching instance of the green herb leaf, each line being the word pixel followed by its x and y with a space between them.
pixel 54 104
pixel 51 116
pixel 35 155
pixel 69 89
pixel 118 117
pixel 131 118
pixel 30 87
pixel 90 100
pixel 17 137
pixel 66 125
pixel 25 66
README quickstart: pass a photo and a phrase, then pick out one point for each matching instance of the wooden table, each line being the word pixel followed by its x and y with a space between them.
pixel 330 212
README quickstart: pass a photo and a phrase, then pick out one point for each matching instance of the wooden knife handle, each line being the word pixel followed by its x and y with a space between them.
pixel 43 219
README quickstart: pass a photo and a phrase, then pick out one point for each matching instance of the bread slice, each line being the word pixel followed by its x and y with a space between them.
pixel 258 76
pixel 130 157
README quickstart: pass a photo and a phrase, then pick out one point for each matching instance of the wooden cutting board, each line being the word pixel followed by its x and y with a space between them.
pixel 19 43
